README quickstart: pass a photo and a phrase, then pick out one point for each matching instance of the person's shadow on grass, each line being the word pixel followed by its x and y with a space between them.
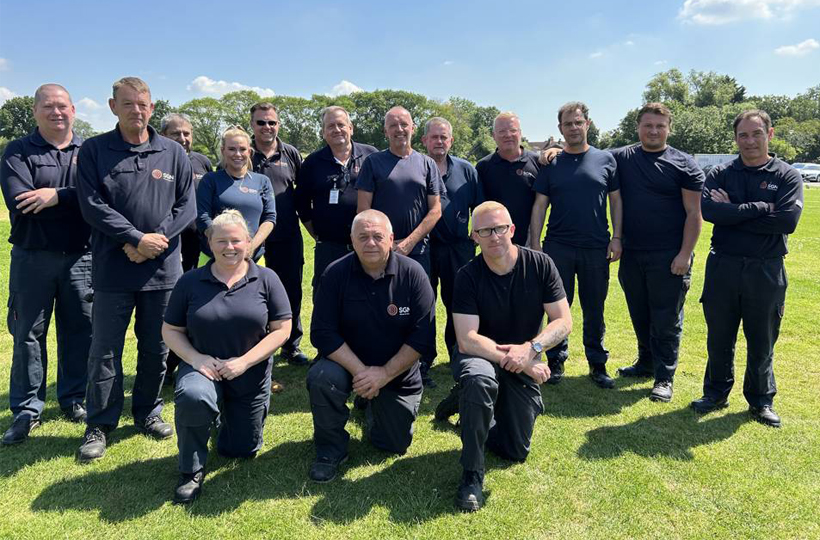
pixel 673 434
pixel 579 397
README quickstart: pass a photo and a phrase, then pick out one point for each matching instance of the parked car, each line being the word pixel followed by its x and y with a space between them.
pixel 809 171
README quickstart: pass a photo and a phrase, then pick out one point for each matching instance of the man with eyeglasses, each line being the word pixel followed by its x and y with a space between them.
pixel 499 304
pixel 326 195
pixel 136 191
pixel 577 184
pixel 450 244
pixel 284 250
pixel 508 174
pixel 407 187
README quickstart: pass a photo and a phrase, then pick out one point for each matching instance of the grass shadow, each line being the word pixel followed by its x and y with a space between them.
pixel 672 434
pixel 578 397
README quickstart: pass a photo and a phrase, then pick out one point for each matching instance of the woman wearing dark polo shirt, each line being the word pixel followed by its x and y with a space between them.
pixel 224 320
pixel 235 186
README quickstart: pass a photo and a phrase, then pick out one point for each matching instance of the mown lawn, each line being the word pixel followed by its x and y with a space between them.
pixel 604 464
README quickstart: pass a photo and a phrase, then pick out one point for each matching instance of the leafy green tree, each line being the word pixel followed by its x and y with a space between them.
pixel 783 149
pixel 83 129
pixel 667 86
pixel 207 118
pixel 17 117
pixel 236 107
pixel 162 108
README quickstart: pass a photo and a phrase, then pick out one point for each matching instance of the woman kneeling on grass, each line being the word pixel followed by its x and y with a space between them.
pixel 224 320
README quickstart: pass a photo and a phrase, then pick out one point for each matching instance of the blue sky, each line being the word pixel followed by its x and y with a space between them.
pixel 525 56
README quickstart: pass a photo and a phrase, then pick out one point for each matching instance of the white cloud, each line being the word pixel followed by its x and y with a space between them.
pixel 88 103
pixel 4 64
pixel 6 94
pixel 206 85
pixel 716 12
pixel 629 43
pixel 660 62
pixel 344 88
pixel 596 54
pixel 801 49
pixel 448 63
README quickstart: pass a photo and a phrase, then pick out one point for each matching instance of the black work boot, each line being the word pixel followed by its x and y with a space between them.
pixel 20 429
pixel 469 496
pixel 449 405
pixel 189 487
pixel 93 446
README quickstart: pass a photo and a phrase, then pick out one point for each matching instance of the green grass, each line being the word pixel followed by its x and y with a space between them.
pixel 604 464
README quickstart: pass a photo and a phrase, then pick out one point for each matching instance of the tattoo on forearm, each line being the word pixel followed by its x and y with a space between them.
pixel 554 336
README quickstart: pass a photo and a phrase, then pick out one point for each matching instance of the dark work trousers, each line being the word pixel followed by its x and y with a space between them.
pixel 591 267
pixel 189 242
pixel 111 316
pixel 445 262
pixel 324 254
pixel 287 259
pixel 655 298
pixel 497 408
pixel 41 282
pixel 744 289
pixel 423 258
pixel 240 404
pixel 389 416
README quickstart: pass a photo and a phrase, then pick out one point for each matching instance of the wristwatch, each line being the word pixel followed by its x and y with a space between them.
pixel 537 347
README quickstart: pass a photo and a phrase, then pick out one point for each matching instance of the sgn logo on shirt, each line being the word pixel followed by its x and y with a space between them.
pixel 159 175
pixel 394 310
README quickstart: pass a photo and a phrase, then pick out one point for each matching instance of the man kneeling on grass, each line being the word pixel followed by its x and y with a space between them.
pixel 498 307
pixel 372 320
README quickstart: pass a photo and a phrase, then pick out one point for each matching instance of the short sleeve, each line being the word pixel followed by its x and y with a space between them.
pixel 542 181
pixel 553 289
pixel 176 313
pixel 276 297
pixel 366 180
pixel 465 293
pixel 613 180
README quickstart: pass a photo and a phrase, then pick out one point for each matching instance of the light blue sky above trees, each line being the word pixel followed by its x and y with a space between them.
pixel 527 56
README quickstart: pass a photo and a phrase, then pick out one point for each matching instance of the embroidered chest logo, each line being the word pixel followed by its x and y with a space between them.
pixel 157 174
pixel 394 310
pixel 770 187
pixel 522 172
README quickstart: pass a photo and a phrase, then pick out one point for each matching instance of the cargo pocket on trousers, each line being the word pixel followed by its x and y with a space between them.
pixel 11 316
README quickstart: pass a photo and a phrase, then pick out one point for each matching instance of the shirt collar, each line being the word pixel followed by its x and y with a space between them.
pixel 38 140
pixel 156 143
pixel 207 275
pixel 770 166
pixel 390 269
pixel 497 156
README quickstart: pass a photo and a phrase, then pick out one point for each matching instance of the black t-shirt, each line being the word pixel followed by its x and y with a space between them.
pixel 577 186
pixel 746 227
pixel 282 169
pixel 651 184
pixel 400 187
pixel 223 322
pixel 375 317
pixel 331 214
pixel 510 307
pixel 510 183
pixel 463 194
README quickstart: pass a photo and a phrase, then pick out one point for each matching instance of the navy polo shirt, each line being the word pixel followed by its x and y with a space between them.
pixel 577 186
pixel 200 165
pixel 282 169
pixel 651 184
pixel 251 195
pixel 746 227
pixel 32 163
pixel 463 194
pixel 510 308
pixel 227 322
pixel 321 173
pixel 375 317
pixel 126 191
pixel 510 183
pixel 400 186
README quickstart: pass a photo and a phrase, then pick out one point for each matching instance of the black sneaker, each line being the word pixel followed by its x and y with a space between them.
pixel 76 413
pixel 765 415
pixel 449 405
pixel 707 404
pixel 93 446
pixel 661 391
pixel 156 427
pixel 556 371
pixel 20 429
pixel 635 370
pixel 600 377
pixel 189 487
pixel 295 357
pixel 325 469
pixel 469 496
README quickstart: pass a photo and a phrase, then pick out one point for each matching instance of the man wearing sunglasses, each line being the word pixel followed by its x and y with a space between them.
pixel 283 248
pixel 326 192
pixel 498 309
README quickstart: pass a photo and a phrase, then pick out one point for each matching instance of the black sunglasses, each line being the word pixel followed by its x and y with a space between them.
pixel 271 123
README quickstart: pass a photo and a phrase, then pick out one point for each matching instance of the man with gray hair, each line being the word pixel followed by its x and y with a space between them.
pixel 450 244
pixel 372 320
pixel 50 264
pixel 325 189
pixel 407 187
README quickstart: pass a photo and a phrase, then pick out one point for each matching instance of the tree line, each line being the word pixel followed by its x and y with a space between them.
pixel 703 104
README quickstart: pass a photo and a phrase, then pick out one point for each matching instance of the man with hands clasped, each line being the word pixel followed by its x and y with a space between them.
pixel 498 309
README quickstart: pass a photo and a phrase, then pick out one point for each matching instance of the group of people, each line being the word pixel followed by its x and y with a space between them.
pixel 112 222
